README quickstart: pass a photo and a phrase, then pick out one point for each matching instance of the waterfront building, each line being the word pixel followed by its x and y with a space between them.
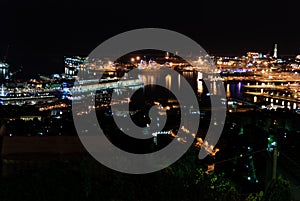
pixel 73 65
pixel 4 71
pixel 229 63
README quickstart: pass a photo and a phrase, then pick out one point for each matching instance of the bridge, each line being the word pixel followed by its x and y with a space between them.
pixel 92 85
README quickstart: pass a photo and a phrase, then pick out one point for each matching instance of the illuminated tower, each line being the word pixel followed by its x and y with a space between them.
pixel 275 51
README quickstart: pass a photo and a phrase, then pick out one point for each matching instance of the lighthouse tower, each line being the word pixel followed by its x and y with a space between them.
pixel 275 52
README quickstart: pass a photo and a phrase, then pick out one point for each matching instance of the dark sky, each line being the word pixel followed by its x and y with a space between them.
pixel 40 33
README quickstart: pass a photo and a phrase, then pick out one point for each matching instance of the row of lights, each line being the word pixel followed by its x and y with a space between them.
pixel 135 59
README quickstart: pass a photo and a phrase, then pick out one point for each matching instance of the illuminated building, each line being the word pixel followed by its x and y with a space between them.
pixel 275 52
pixel 30 118
pixel 253 55
pixel 73 65
pixel 227 63
pixel 103 97
pixel 4 71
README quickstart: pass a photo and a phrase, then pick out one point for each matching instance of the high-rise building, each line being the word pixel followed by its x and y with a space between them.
pixel 275 52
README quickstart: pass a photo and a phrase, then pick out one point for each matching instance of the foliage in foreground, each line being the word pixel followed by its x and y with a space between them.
pixel 85 179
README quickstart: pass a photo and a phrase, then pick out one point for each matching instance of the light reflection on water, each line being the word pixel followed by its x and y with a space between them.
pixel 236 90
pixel 195 79
pixel 168 79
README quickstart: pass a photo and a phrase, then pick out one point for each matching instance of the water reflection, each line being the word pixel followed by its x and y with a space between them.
pixel 168 79
pixel 200 87
pixel 239 87
pixel 188 75
pixel 236 90
pixel 228 90
pixel 215 88
pixel 195 79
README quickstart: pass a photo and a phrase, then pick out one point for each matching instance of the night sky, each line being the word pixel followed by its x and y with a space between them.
pixel 40 33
